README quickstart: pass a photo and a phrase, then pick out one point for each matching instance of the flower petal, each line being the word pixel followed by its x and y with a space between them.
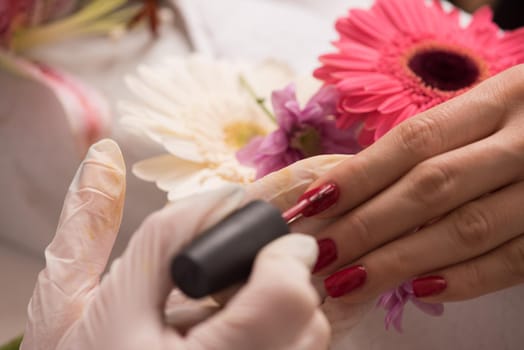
pixel 248 154
pixel 184 149
pixel 431 309
pixel 280 100
pixel 277 142
pixel 166 171
pixel 394 103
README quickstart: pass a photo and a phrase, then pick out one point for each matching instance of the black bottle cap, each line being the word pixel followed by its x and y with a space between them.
pixel 223 255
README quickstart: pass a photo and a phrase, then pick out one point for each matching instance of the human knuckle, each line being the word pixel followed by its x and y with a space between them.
pixel 514 88
pixel 510 149
pixel 430 183
pixel 420 136
pixel 402 261
pixel 472 227
pixel 358 227
pixel 505 90
pixel 472 278
pixel 514 257
pixel 360 169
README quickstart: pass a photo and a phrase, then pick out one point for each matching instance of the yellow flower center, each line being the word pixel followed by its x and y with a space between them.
pixel 239 133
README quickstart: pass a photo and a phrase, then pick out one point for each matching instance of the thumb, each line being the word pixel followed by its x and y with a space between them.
pixel 276 305
pixel 78 254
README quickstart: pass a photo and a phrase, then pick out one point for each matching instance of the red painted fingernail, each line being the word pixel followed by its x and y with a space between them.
pixel 329 195
pixel 428 286
pixel 344 281
pixel 327 253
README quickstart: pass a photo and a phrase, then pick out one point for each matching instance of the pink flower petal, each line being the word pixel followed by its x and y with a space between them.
pixel 394 103
pixel 351 82
pixel 373 120
pixel 431 309
pixel 366 137
pixel 353 50
pixel 384 87
pixel 345 120
pixel 396 15
pixel 363 104
pixel 367 23
pixel 343 63
pixel 482 20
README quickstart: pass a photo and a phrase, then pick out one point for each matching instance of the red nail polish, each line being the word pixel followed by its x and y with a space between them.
pixel 327 253
pixel 428 286
pixel 344 281
pixel 329 195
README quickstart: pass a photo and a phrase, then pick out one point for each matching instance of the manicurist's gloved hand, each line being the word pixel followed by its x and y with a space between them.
pixel 75 307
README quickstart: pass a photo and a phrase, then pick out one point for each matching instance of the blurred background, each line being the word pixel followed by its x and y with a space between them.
pixel 43 136
pixel 509 14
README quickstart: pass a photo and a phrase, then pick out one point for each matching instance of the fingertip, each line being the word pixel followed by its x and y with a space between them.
pixel 103 170
pixel 107 152
pixel 321 200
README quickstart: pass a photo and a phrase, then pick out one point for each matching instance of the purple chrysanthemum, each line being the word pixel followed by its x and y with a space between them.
pixel 302 133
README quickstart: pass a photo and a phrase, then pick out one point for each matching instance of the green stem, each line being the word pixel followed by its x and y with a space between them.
pixel 79 23
pixel 260 101
pixel 12 345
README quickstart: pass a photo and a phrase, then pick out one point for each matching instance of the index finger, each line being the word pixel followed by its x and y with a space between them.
pixel 451 125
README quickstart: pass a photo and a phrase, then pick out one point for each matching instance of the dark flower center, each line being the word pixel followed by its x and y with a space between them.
pixel 444 70
pixel 307 140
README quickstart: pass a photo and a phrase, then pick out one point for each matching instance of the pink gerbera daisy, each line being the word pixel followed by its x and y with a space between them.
pixel 405 56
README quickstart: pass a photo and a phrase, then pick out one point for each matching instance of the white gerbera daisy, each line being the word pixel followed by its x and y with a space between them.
pixel 202 112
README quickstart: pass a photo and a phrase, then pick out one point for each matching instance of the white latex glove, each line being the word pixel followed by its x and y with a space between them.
pixel 70 309
pixel 283 188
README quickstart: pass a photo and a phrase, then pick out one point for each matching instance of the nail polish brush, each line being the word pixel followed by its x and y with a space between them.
pixel 224 254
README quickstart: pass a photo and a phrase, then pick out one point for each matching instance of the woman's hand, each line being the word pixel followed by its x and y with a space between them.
pixel 71 309
pixel 283 188
pixel 439 199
